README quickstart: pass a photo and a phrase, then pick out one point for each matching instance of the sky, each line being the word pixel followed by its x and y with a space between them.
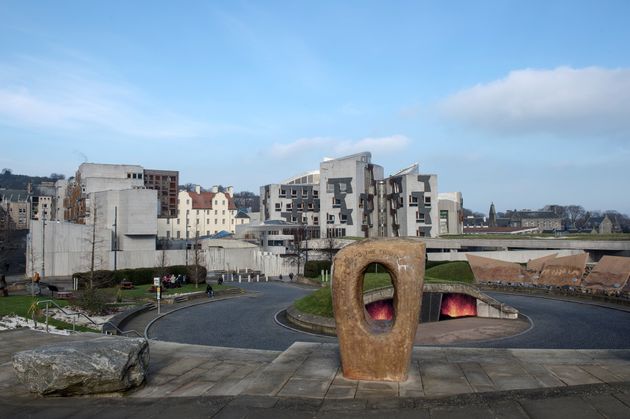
pixel 520 103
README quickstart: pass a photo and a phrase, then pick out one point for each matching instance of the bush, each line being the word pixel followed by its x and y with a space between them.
pixel 93 301
pixel 313 268
pixel 139 276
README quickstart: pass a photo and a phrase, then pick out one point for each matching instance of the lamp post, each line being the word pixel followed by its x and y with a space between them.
pixel 186 244
pixel 115 225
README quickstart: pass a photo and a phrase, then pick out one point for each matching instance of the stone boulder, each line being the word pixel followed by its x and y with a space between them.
pixel 101 365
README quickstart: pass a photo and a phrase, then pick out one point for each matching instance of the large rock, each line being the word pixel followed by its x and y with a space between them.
pixel 101 365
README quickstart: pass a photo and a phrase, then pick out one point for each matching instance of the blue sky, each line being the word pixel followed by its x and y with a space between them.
pixel 520 103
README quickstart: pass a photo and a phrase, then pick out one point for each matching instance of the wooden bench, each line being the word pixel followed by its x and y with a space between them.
pixel 64 295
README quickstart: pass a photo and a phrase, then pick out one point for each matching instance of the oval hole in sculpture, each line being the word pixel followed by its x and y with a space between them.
pixel 378 296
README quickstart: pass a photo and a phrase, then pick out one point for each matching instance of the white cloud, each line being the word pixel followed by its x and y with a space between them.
pixel 564 102
pixel 70 97
pixel 380 145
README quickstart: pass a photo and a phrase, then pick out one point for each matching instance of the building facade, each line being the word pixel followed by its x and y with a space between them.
pixel 201 214
pixel 349 196
pixel 451 207
pixel 166 183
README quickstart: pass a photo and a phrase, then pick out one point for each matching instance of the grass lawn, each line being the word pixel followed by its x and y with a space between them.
pixel 141 292
pixel 320 301
pixel 22 305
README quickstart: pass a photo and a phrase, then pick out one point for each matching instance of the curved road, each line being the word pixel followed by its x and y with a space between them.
pixel 248 322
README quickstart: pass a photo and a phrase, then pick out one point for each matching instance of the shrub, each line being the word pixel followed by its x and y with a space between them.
pixel 139 276
pixel 93 301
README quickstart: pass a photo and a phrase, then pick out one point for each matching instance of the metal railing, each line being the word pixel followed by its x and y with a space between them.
pixel 75 317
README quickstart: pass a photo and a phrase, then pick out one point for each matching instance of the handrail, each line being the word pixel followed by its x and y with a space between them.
pixel 77 314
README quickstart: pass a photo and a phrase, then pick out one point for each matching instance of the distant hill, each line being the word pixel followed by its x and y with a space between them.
pixel 19 182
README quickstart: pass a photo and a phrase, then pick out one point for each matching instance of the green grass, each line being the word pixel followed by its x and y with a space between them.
pixel 320 301
pixel 23 306
pixel 452 271
pixel 141 292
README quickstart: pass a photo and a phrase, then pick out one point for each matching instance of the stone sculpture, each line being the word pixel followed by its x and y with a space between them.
pixel 368 350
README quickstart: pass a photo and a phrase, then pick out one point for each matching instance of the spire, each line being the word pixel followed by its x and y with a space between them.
pixel 492 218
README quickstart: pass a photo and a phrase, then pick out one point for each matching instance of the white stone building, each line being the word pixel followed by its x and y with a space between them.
pixel 201 213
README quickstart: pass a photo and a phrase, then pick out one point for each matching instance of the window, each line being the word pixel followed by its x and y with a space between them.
pixel 420 233
pixel 128 175
pixel 187 212
pixel 419 217
pixel 168 235
pixel 315 193
pixel 342 187
pixel 343 218
pixel 207 221
pixel 336 203
pixel 223 212
pixel 216 221
pixel 413 201
pixel 330 218
pixel 216 212
pixel 168 221
pixel 283 193
pixel 278 207
pixel 330 188
pixel 197 221
pixel 207 232
pixel 316 221
pixel 223 202
pixel 289 206
pixel 223 221
pixel 178 234
pixel 310 206
pixel 216 202
pixel 178 221
pixel 304 192
pixel 188 202
pixel 300 206
pixel 293 192
pixel 197 212
pixel 427 202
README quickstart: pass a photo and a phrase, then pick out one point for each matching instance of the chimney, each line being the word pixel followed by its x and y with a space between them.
pixel 215 189
pixel 230 190
pixel 197 189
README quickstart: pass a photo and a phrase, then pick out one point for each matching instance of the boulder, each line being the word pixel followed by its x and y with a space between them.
pixel 101 365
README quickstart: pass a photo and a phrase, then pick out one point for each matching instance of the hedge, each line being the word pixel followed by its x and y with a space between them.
pixel 313 268
pixel 138 276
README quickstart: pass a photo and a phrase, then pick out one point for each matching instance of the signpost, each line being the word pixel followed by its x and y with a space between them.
pixel 156 284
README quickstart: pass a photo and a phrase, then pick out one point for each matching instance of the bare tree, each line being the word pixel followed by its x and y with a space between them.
pixel 298 249
pixel 162 257
pixel 575 213
pixel 331 246
pixel 195 271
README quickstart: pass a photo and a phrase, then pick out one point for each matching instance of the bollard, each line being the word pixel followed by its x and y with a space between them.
pixel 249 278
pixel 239 279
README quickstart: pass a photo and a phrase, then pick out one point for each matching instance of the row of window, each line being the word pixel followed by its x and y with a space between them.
pixel 134 175
pixel 294 193
pixel 216 212
pixel 299 206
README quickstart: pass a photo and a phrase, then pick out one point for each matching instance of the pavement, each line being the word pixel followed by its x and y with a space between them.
pixel 306 381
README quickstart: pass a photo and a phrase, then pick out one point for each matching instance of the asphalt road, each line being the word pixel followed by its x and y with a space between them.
pixel 245 322
pixel 248 322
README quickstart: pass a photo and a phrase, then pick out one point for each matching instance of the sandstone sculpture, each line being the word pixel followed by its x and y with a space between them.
pixel 368 350
pixel 101 365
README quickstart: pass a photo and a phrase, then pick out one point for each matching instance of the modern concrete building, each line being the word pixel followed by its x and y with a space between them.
pixel 96 177
pixel 450 205
pixel 201 214
pixel 16 210
pixel 349 196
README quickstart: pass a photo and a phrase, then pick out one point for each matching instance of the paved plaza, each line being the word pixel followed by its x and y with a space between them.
pixel 305 381
pixel 303 378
